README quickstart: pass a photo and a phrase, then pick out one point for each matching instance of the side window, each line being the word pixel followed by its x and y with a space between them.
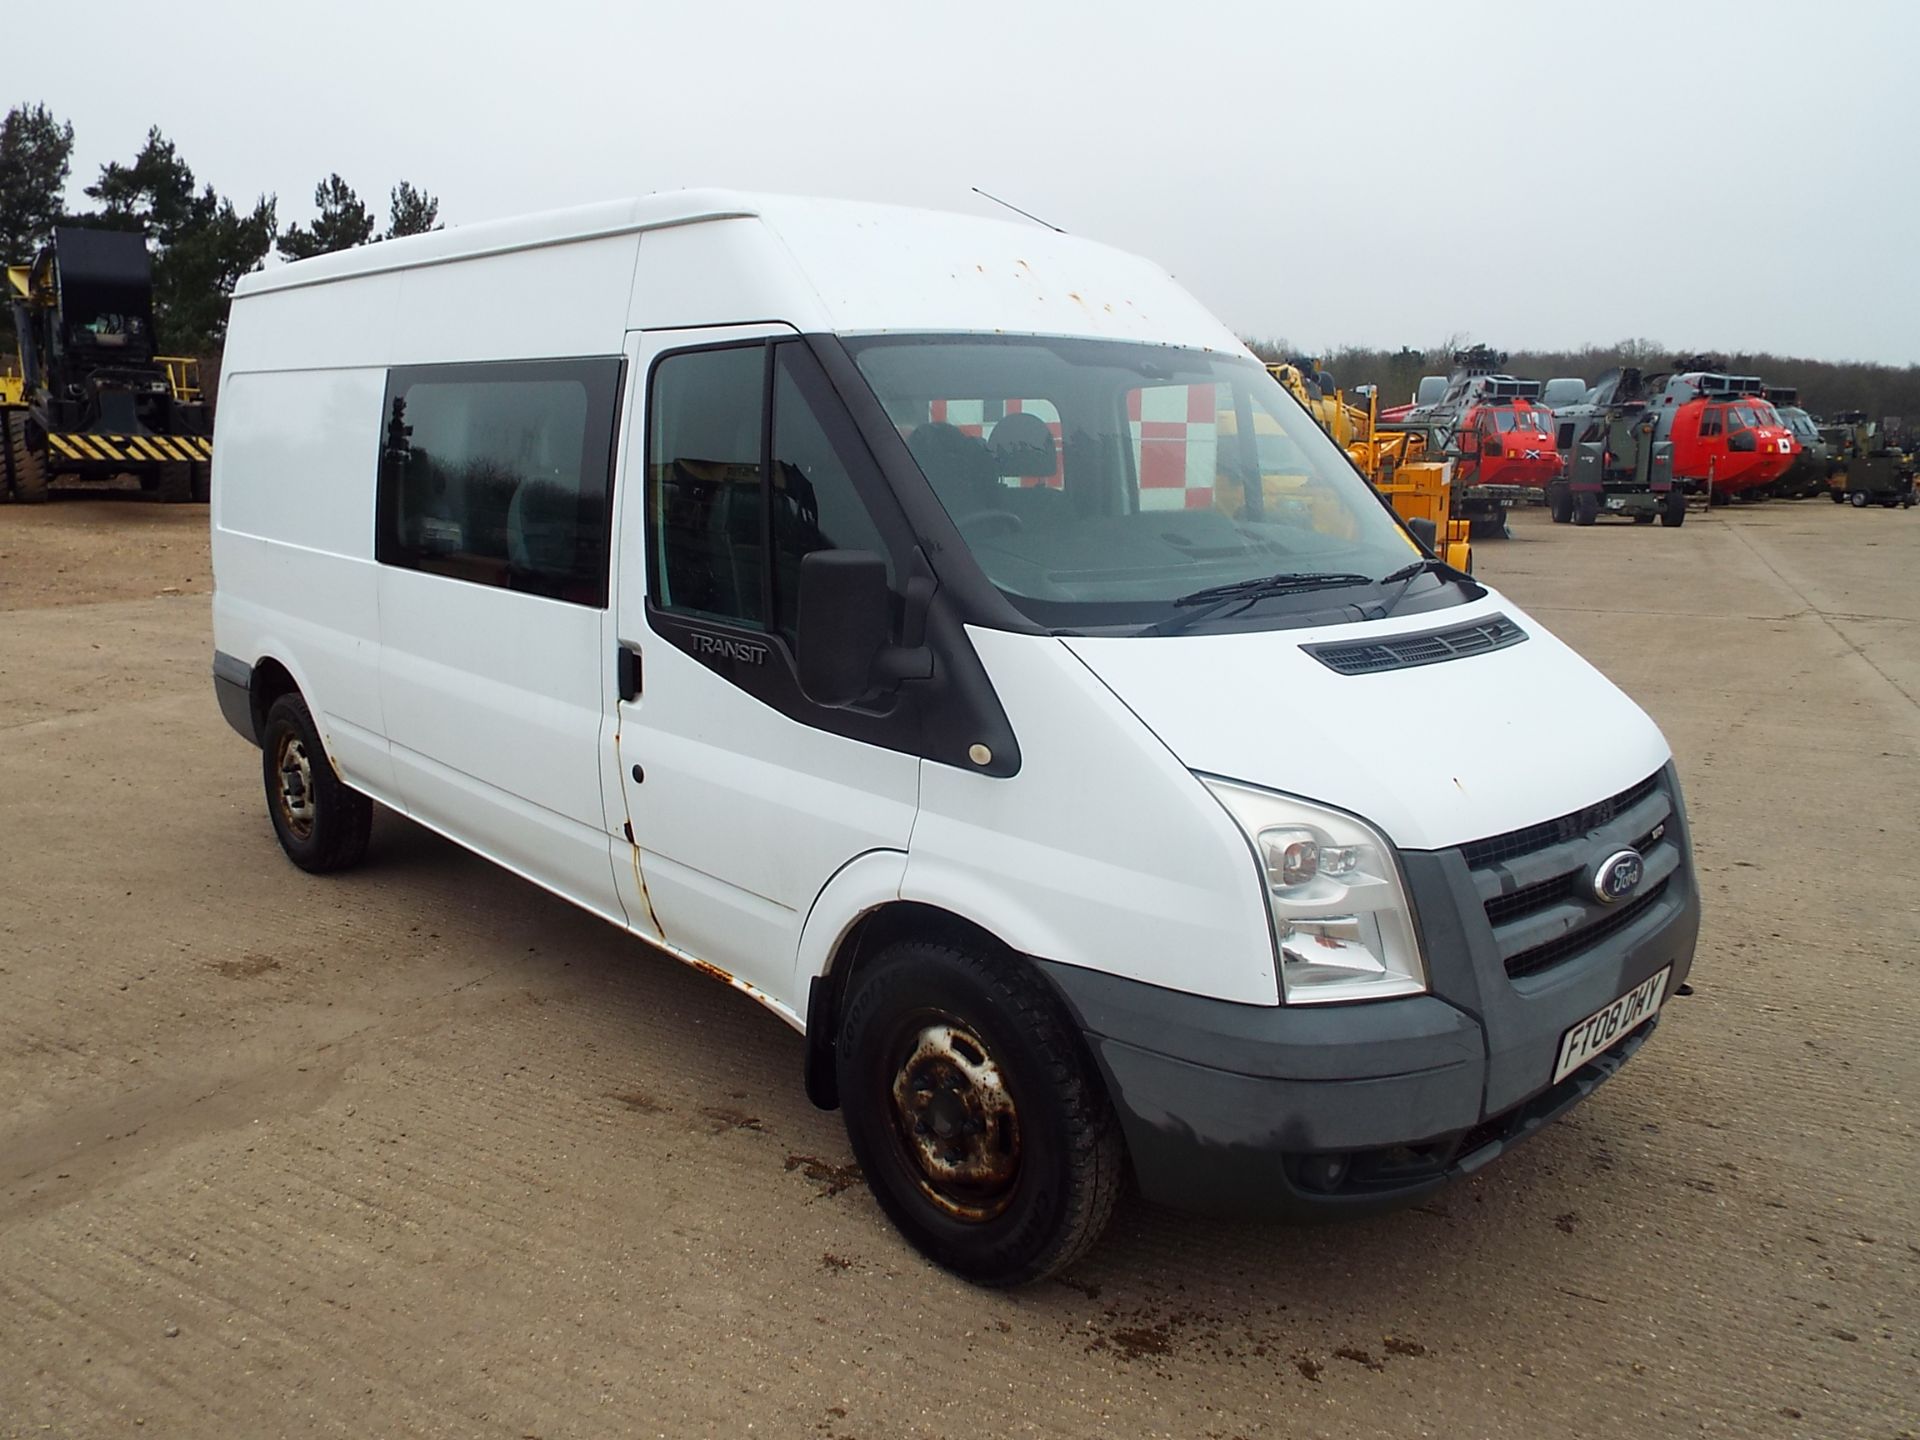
pixel 501 474
pixel 705 509
pixel 724 481
pixel 815 503
pixel 1710 420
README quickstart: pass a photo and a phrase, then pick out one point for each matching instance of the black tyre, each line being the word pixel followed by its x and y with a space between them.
pixel 173 483
pixel 28 464
pixel 323 823
pixel 1586 508
pixel 1858 499
pixel 202 486
pixel 983 1130
pixel 1559 506
pixel 1839 497
pixel 1674 511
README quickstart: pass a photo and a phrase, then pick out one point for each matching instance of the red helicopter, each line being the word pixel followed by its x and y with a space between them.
pixel 1495 429
pixel 1727 437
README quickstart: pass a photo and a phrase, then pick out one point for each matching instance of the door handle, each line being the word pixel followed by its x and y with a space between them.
pixel 627 666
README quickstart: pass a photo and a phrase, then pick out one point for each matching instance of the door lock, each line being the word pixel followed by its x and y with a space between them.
pixel 639 775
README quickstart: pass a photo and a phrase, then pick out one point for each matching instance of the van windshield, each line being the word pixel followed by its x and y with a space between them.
pixel 1098 483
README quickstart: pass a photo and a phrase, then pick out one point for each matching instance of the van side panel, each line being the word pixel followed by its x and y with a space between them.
pixel 534 305
pixel 318 327
pixel 293 548
pixel 494 705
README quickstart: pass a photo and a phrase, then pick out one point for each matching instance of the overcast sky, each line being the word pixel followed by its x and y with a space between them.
pixel 1734 176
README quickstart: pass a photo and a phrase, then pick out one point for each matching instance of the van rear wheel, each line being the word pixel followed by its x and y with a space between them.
pixel 323 823
pixel 982 1129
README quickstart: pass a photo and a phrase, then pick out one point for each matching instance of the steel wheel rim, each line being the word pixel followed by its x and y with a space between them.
pixel 956 1121
pixel 294 795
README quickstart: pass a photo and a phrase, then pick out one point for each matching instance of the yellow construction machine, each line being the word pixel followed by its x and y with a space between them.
pixel 1394 461
pixel 91 398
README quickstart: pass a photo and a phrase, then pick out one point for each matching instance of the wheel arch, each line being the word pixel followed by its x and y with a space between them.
pixel 270 680
pixel 863 936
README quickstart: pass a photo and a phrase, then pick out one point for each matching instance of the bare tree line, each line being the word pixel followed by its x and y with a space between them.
pixel 1826 386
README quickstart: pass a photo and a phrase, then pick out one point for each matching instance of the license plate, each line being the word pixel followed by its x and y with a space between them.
pixel 1609 1024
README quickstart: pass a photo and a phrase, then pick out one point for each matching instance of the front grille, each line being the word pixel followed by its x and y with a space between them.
pixel 1536 883
pixel 1427 647
pixel 1545 894
pixel 1515 843
pixel 1529 898
pixel 1544 957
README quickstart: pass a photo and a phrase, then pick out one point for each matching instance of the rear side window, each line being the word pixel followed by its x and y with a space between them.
pixel 501 474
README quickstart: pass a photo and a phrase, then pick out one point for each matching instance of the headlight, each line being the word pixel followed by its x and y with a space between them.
pixel 1341 921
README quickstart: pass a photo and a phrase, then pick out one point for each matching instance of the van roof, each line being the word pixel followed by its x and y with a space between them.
pixel 843 265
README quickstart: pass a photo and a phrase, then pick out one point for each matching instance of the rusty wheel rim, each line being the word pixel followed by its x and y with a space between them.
pixel 295 793
pixel 957 1121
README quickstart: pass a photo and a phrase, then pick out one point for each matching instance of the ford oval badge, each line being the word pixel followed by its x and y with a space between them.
pixel 1619 876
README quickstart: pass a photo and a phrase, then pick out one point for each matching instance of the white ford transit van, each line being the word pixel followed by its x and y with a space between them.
pixel 949 633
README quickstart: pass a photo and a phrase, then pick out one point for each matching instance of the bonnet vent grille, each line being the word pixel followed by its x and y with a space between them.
pixel 1426 647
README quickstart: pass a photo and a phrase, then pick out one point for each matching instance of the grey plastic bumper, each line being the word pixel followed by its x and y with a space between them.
pixel 233 688
pixel 1233 1109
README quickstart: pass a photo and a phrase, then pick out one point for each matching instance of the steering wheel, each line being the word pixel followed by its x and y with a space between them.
pixel 992 522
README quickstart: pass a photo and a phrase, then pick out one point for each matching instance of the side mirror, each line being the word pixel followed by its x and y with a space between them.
pixel 1425 531
pixel 843 629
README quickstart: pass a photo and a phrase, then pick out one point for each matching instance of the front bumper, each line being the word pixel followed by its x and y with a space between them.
pixel 1314 1111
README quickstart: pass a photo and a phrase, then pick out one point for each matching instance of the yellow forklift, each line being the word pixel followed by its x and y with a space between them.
pixel 91 398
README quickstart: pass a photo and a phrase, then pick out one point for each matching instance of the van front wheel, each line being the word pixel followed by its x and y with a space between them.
pixel 982 1130
pixel 323 823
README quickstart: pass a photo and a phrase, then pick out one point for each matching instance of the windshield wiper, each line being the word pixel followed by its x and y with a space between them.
pixel 1202 603
pixel 1426 565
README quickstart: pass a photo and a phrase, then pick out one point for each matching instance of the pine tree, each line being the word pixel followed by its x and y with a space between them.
pixel 343 222
pixel 411 212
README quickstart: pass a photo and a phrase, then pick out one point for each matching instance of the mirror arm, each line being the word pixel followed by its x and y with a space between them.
pixel 912 659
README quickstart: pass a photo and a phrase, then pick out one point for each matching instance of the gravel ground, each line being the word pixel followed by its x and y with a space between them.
pixel 422 1150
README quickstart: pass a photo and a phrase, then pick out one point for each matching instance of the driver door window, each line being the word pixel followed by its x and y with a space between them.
pixel 734 502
